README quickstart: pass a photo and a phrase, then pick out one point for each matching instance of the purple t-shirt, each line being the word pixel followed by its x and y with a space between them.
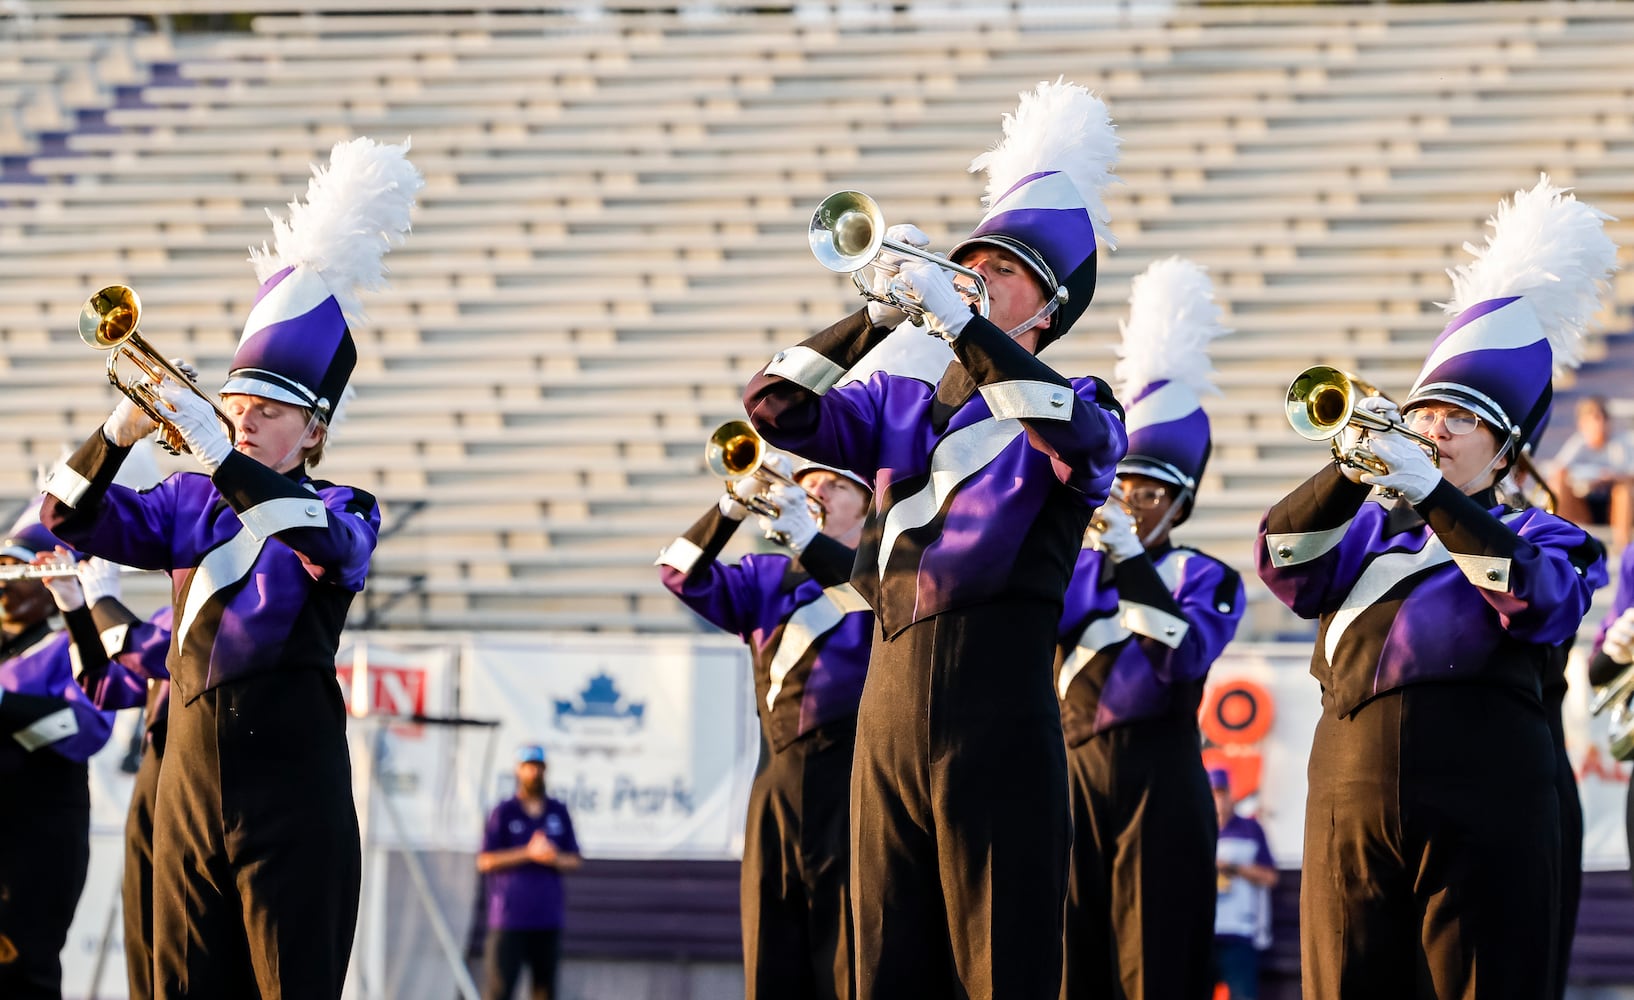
pixel 528 896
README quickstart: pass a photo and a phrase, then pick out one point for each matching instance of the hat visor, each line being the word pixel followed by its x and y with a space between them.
pixel 267 386
pixel 1032 258
pixel 1152 468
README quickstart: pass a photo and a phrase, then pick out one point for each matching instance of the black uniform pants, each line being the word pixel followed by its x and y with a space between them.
pixel 1571 841
pixel 136 888
pixel 507 951
pixel 256 860
pixel 1432 849
pixel 1140 902
pixel 797 868
pixel 45 850
pixel 960 827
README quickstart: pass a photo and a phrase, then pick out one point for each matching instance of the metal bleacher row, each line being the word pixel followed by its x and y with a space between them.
pixel 611 240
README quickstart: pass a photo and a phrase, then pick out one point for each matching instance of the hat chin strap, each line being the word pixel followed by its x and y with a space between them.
pixel 1164 522
pixel 295 451
pixel 1492 464
pixel 1044 312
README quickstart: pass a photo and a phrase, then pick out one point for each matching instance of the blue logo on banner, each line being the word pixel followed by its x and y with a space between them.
pixel 600 700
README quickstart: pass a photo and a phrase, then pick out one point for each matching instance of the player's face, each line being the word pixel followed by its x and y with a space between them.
pixel 1149 500
pixel 845 502
pixel 273 433
pixel 22 602
pixel 1013 294
pixel 1466 443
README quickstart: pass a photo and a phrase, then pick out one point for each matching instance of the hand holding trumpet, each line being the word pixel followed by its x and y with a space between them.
pixel 1356 436
pixel 1411 473
pixel 881 308
pixel 1112 530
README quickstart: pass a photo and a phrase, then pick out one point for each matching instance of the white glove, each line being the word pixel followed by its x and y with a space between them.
pixel 198 425
pixel 1412 474
pixel 1380 407
pixel 65 589
pixel 99 578
pixel 793 526
pixel 186 369
pixel 1619 641
pixel 1117 536
pixel 127 424
pixel 885 268
pixel 946 311
pixel 731 508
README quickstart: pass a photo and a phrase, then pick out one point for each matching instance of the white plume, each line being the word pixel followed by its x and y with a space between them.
pixel 1551 248
pixel 356 211
pixel 1172 318
pixel 1058 126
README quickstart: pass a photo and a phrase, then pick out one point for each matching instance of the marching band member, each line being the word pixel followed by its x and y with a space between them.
pixel 1144 621
pixel 132 674
pixel 256 852
pixel 984 483
pixel 48 730
pixel 809 632
pixel 1432 843
pixel 1613 653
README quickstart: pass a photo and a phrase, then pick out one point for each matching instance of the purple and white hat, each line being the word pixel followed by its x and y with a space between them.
pixel 297 343
pixel 1044 186
pixel 804 466
pixel 1519 311
pixel 1164 368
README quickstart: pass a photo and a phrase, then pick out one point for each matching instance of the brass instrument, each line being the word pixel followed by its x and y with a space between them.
pixel 736 453
pixel 108 322
pixel 1618 695
pixel 42 571
pixel 1098 523
pixel 1322 403
pixel 847 233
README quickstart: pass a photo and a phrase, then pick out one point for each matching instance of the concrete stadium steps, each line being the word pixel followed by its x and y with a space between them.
pixel 610 241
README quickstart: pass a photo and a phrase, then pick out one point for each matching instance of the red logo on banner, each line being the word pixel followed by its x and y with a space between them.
pixel 392 690
pixel 1236 717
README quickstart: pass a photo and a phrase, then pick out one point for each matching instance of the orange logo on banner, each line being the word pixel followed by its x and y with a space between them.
pixel 1236 717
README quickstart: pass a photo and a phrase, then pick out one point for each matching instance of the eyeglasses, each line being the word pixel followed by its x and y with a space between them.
pixel 1145 497
pixel 1457 422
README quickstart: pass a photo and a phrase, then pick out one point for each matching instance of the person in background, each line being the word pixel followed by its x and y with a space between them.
pixel 526 846
pixel 1245 876
pixel 1592 473
pixel 48 730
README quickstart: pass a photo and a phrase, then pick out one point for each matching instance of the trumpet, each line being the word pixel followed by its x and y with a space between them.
pixel 108 322
pixel 1617 695
pixel 1115 494
pixel 847 234
pixel 43 571
pixel 736 453
pixel 1322 403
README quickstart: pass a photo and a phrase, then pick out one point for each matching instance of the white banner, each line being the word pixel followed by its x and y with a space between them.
pixel 652 741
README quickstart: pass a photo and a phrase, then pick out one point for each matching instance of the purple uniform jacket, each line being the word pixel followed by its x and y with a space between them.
pixel 1473 595
pixel 263 566
pixel 135 673
pixel 1138 637
pixel 983 484
pixel 809 631
pixel 527 896
pixel 1602 668
pixel 43 672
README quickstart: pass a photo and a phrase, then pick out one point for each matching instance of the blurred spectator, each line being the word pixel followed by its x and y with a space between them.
pixel 1591 474
pixel 1242 913
pixel 526 847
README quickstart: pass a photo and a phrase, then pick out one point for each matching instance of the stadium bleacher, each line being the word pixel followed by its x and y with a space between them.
pixel 611 238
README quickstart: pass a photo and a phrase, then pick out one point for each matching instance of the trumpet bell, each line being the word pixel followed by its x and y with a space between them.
pixel 110 317
pixel 1322 400
pixel 846 231
pixel 734 450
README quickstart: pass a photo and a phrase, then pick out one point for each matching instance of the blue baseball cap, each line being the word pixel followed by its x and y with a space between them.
pixel 533 753
pixel 1219 777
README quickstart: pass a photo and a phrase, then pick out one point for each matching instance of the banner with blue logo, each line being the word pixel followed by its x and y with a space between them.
pixel 650 740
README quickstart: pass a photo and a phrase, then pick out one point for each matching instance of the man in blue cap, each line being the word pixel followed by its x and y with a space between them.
pixel 526 846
